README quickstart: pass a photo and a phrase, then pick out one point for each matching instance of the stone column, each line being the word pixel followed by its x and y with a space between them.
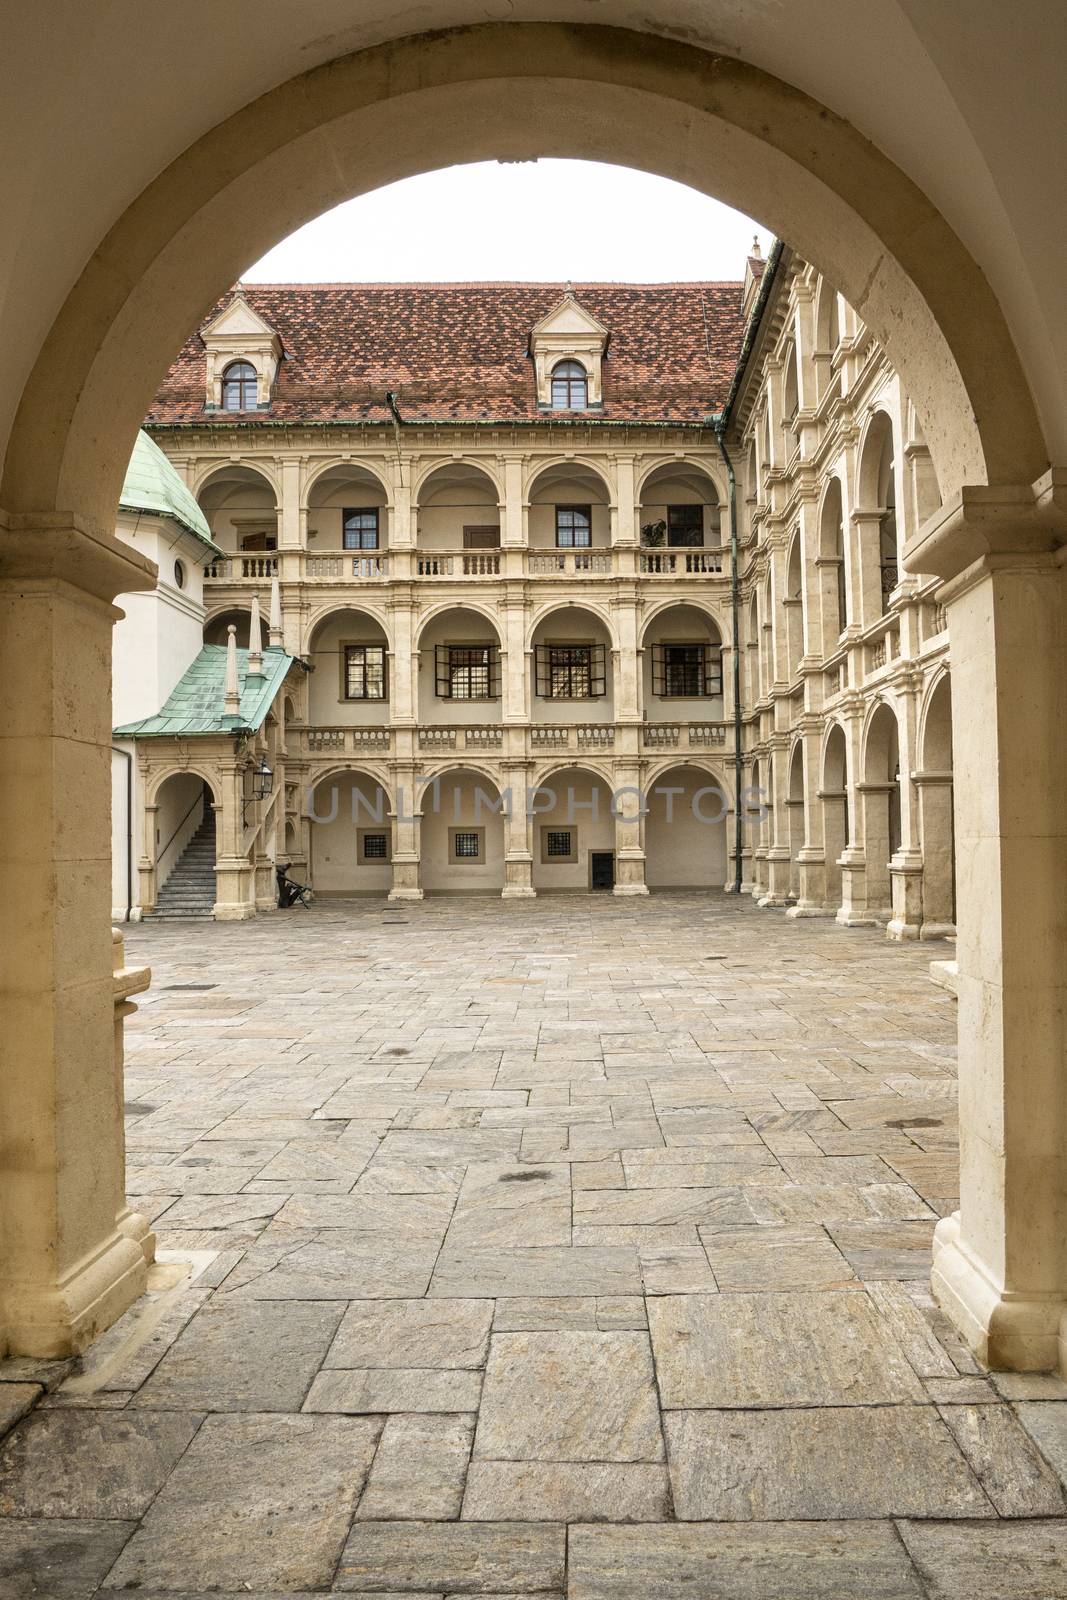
pixel 777 857
pixel 234 878
pixel 126 981
pixel 811 858
pixel 629 811
pixel 853 912
pixel 1000 1264
pixel 938 847
pixel 407 833
pixel 518 850
pixel 906 867
pixel 71 1255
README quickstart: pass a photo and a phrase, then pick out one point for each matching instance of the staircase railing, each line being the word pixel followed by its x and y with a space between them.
pixel 161 853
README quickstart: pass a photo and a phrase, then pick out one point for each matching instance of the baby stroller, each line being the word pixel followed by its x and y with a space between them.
pixel 291 893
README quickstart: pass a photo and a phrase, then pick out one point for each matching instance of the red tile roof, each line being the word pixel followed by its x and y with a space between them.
pixel 458 351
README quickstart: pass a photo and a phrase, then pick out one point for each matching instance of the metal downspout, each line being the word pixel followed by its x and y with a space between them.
pixel 735 609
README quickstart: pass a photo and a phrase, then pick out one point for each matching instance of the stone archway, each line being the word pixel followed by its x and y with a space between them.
pixel 515 90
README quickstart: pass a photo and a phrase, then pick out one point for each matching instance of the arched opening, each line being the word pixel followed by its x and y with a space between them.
pixel 877 514
pixel 685 830
pixel 681 666
pixel 679 515
pixel 833 577
pixel 936 823
pixel 573 832
pixel 217 627
pixel 571 668
pixel 347 524
pixel 462 833
pixel 569 514
pixel 351 836
pixel 505 88
pixel 834 797
pixel 458 523
pixel 793 603
pixel 756 817
pixel 350 682
pixel 881 807
pixel 242 512
pixel 459 672
pixel 795 814
pixel 181 848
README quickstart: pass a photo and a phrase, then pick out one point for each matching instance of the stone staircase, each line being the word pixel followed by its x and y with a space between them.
pixel 190 889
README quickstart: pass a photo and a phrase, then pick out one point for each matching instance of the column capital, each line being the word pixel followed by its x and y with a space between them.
pixel 58 546
pixel 995 519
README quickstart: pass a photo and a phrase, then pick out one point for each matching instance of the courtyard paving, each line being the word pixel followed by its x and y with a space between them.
pixel 568 1248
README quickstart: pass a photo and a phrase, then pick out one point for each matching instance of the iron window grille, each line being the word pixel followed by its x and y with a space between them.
pixel 359 528
pixel 570 387
pixel 239 387
pixel 466 844
pixel 570 671
pixel 364 675
pixel 574 527
pixel 467 672
pixel 375 846
pixel 685 525
pixel 558 844
pixel 686 671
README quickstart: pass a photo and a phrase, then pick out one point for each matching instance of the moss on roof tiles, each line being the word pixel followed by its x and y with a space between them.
pixel 196 703
pixel 153 485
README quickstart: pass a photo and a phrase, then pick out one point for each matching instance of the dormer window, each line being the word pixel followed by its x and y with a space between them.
pixel 570 387
pixel 239 387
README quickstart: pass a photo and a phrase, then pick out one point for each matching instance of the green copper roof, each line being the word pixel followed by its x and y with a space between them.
pixel 196 703
pixel 153 485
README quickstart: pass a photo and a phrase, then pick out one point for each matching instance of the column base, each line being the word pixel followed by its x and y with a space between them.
pixel 404 893
pixel 937 930
pixel 233 913
pixel 772 902
pixel 802 910
pixel 630 888
pixel 854 919
pixel 946 974
pixel 901 931
pixel 1008 1333
pixel 518 891
pixel 62 1319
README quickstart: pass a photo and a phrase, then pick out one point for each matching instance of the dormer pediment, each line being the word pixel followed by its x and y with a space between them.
pixel 569 333
pixel 239 334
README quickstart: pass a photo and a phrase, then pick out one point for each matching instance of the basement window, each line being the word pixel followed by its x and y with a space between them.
pixel 466 845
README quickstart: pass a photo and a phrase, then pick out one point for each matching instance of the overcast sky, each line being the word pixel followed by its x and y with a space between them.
pixel 489 221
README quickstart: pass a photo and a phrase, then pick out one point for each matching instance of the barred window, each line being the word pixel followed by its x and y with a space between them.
pixel 570 386
pixel 570 671
pixel 466 845
pixel 239 387
pixel 558 844
pixel 685 525
pixel 375 847
pixel 364 672
pixel 686 671
pixel 359 526
pixel 574 527
pixel 467 672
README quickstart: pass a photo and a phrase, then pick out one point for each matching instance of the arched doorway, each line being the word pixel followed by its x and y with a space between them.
pixel 512 88
pixel 685 830
pixel 351 835
pixel 573 832
pixel 834 797
pixel 934 782
pixel 880 792
pixel 462 832
pixel 179 849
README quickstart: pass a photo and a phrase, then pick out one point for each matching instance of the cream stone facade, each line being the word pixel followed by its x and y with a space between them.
pixel 847 686
pixel 912 173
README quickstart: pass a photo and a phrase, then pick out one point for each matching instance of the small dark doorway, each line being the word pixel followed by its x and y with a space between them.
pixel 602 869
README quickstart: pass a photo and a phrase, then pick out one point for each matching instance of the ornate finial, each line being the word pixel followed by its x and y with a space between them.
pixel 569 290
pixel 755 251
pixel 232 703
pixel 275 615
pixel 255 642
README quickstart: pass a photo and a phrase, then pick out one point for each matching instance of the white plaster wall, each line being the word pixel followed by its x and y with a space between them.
pixel 571 624
pixel 444 511
pixel 325 517
pixel 125 891
pixel 326 706
pixel 458 806
pixel 574 794
pixel 578 491
pixel 358 802
pixel 681 850
pixel 161 631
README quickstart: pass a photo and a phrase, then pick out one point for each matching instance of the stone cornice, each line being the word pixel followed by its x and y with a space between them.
pixel 57 547
pixel 991 520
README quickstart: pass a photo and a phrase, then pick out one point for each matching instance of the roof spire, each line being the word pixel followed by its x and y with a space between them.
pixel 755 252
pixel 255 642
pixel 232 701
pixel 275 615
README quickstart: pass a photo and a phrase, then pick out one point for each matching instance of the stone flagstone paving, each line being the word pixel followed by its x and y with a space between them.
pixel 567 1248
